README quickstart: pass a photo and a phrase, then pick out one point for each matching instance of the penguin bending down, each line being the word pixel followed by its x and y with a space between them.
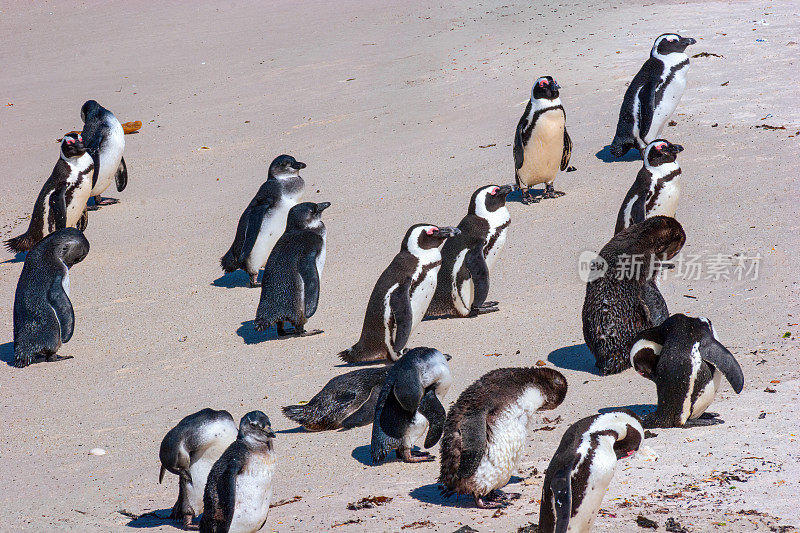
pixel 410 403
pixel 686 361
pixel 463 281
pixel 653 94
pixel 401 295
pixel 582 467
pixel 657 186
pixel 541 144
pixel 264 220
pixel 487 428
pixel 346 401
pixel 62 201
pixel 290 287
pixel 105 141
pixel 189 450
pixel 239 486
pixel 625 299
pixel 43 315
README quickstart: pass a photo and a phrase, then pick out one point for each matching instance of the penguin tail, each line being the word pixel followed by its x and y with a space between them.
pixel 357 355
pixel 23 243
pixel 304 415
pixel 228 262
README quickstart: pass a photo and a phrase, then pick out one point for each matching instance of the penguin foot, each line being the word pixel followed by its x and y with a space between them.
pixel 187 523
pixel 528 198
pixel 254 280
pixel 309 333
pixel 22 362
pixel 498 495
pixel 480 503
pixel 550 192
pixel 54 357
pixel 709 414
pixel 408 455
pixel 475 311
pixel 99 201
pixel 490 304
pixel 700 422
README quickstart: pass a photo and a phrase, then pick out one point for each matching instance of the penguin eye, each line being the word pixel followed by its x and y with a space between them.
pixel 542 83
pixel 430 231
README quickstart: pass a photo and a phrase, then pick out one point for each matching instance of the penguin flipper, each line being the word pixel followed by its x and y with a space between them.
pixel 310 275
pixel 58 206
pixel 479 271
pixel 121 177
pixel 95 153
pixel 400 306
pixel 656 305
pixel 83 222
pixel 252 229
pixel 388 428
pixel 473 443
pixel 223 495
pixel 364 414
pixel 647 97
pixel 62 307
pixel 646 350
pixel 519 146
pixel 561 486
pixel 713 352
pixel 431 408
pixel 567 150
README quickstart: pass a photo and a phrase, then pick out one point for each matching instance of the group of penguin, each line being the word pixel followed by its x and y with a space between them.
pixel 225 472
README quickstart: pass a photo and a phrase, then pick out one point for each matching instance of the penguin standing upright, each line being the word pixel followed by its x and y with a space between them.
pixel 401 295
pixel 43 315
pixel 105 141
pixel 290 288
pixel 189 450
pixel 239 487
pixel 62 201
pixel 542 145
pixel 264 220
pixel 624 300
pixel 581 469
pixel 657 186
pixel 653 94
pixel 410 403
pixel 686 361
pixel 463 281
pixel 487 427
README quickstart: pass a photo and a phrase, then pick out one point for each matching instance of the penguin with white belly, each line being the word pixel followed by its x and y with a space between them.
pixel 105 142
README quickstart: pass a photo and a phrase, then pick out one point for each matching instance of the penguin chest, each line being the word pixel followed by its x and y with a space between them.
pixel 543 151
pixel 272 227
pixel 495 242
pixel 463 289
pixel 706 394
pixel 671 92
pixel 78 190
pixel 320 263
pixel 110 157
pixel 253 493
pixel 422 288
pixel 601 470
pixel 664 199
pixel 416 429
pixel 204 459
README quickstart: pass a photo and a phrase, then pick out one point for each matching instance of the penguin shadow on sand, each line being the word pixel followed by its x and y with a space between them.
pixel 641 409
pixel 7 353
pixel 233 280
pixel 19 257
pixel 363 455
pixel 153 519
pixel 516 194
pixel 576 357
pixel 432 494
pixel 247 331
pixel 605 156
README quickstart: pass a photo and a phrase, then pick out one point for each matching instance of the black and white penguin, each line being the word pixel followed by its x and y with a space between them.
pixel 463 281
pixel 542 145
pixel 346 401
pixel 487 428
pixel 189 450
pixel 653 94
pixel 43 315
pixel 657 186
pixel 686 361
pixel 264 220
pixel 291 283
pixel 105 142
pixel 239 486
pixel 625 300
pixel 410 404
pixel 401 296
pixel 62 201
pixel 581 469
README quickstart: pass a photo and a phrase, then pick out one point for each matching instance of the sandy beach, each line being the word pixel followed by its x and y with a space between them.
pixel 400 110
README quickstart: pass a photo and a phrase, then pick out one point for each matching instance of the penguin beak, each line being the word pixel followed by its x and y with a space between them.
pixel 555 86
pixel 675 149
pixel 448 232
pixel 447 356
pixel 297 165
pixel 323 206
pixel 504 190
pixel 269 432
pixel 686 41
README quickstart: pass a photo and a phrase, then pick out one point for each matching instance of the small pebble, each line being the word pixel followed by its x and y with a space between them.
pixel 97 451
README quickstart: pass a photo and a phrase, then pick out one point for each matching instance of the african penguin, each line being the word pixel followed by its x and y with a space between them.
pixel 657 186
pixel 239 486
pixel 542 145
pixel 410 404
pixel 105 142
pixel 43 315
pixel 189 450
pixel 463 281
pixel 581 469
pixel 62 201
pixel 291 282
pixel 487 428
pixel 653 94
pixel 401 295
pixel 264 220
pixel 686 361
pixel 346 401
pixel 625 299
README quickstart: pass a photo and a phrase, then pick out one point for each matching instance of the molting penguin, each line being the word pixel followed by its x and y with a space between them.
pixel 264 220
pixel 463 281
pixel 105 142
pixel 62 201
pixel 686 361
pixel 346 401
pixel 657 186
pixel 487 427
pixel 291 283
pixel 189 450
pixel 624 300
pixel 401 295
pixel 239 486
pixel 541 144
pixel 410 403
pixel 43 315
pixel 582 468
pixel 653 94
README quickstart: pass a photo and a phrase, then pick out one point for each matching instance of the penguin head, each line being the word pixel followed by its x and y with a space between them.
pixel 626 428
pixel 255 426
pixel 545 88
pixel 421 237
pixel 306 215
pixel 89 110
pixel 670 43
pixel 661 151
pixel 72 145
pixel 68 244
pixel 659 236
pixel 553 385
pixel 285 166
pixel 489 199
